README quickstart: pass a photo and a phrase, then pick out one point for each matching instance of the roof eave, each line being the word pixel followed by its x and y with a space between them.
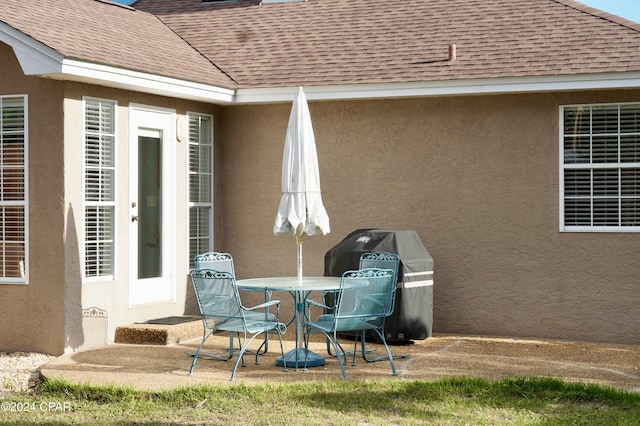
pixel 34 57
pixel 445 88
pixel 120 78
pixel 38 59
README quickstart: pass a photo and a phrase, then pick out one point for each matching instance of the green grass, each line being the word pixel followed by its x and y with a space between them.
pixel 456 401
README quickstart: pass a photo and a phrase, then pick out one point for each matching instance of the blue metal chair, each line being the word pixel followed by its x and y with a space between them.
pixel 377 259
pixel 222 310
pixel 383 260
pixel 223 262
pixel 363 302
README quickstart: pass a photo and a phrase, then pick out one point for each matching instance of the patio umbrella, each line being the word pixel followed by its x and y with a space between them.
pixel 301 211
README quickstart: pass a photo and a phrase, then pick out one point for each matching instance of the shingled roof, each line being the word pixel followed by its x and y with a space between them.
pixel 338 42
pixel 106 33
pixel 242 47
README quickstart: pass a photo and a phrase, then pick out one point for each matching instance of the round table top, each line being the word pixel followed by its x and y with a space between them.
pixel 291 283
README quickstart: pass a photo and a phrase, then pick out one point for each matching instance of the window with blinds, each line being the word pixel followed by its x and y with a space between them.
pixel 600 168
pixel 99 187
pixel 13 189
pixel 200 184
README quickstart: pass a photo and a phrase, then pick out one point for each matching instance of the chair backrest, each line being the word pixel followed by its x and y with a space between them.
pixel 366 293
pixel 217 261
pixel 217 296
pixel 382 260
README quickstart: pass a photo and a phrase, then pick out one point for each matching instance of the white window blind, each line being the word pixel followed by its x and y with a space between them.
pixel 200 184
pixel 13 196
pixel 99 187
pixel 600 163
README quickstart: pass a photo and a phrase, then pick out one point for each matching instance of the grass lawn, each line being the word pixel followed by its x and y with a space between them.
pixel 456 401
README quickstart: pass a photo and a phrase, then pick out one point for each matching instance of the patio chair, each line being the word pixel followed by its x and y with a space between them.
pixel 377 259
pixel 222 310
pixel 383 260
pixel 223 262
pixel 364 300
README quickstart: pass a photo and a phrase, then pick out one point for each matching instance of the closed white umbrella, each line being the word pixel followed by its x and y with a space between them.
pixel 301 211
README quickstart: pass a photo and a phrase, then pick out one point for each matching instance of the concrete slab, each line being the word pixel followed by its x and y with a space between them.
pixel 154 367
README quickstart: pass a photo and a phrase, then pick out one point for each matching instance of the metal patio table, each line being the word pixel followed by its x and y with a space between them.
pixel 299 288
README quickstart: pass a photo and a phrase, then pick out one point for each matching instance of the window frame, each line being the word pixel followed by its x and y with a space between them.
pixel 590 165
pixel 191 204
pixel 24 279
pixel 85 203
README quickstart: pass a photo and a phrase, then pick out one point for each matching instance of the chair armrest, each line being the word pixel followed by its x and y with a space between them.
pixel 264 305
pixel 312 302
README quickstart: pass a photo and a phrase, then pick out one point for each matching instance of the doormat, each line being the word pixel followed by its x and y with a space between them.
pixel 171 320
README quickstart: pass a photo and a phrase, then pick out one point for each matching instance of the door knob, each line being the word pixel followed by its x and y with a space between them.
pixel 135 218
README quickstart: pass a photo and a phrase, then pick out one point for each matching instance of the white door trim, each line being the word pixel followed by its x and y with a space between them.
pixel 160 289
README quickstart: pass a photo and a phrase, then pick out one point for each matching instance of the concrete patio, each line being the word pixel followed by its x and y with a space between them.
pixel 155 367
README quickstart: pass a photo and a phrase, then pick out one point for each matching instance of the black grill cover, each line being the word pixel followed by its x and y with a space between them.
pixel 413 314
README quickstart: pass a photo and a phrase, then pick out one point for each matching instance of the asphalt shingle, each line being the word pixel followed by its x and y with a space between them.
pixel 323 42
pixel 333 42
pixel 106 33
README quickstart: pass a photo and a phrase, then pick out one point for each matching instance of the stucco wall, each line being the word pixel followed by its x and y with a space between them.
pixel 112 296
pixel 55 312
pixel 476 177
pixel 32 315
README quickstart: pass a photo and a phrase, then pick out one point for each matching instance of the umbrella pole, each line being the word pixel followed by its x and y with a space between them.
pixel 299 244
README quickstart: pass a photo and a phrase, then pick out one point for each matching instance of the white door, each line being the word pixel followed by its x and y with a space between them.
pixel 151 192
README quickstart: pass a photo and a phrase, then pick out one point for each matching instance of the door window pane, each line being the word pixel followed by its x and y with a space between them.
pixel 150 205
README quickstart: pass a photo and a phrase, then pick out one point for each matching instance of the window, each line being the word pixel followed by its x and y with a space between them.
pixel 600 168
pixel 200 184
pixel 13 189
pixel 99 187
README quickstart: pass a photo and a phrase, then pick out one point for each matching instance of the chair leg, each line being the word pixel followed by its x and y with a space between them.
pixel 329 347
pixel 381 357
pixel 355 346
pixel 205 336
pixel 284 361
pixel 340 354
pixel 243 349
pixel 241 353
pixel 393 365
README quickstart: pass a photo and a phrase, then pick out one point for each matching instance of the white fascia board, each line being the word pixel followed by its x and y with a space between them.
pixel 141 82
pixel 445 88
pixel 33 56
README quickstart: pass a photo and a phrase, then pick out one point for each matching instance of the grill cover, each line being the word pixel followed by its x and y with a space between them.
pixel 412 317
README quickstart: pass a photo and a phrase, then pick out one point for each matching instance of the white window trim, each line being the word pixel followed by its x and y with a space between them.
pixel 562 167
pixel 25 278
pixel 188 168
pixel 111 277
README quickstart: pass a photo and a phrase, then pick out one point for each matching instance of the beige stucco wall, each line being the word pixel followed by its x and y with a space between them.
pixel 54 312
pixel 31 315
pixel 476 177
pixel 112 297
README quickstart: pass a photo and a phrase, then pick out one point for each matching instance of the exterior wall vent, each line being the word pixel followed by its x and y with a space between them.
pixel 453 52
